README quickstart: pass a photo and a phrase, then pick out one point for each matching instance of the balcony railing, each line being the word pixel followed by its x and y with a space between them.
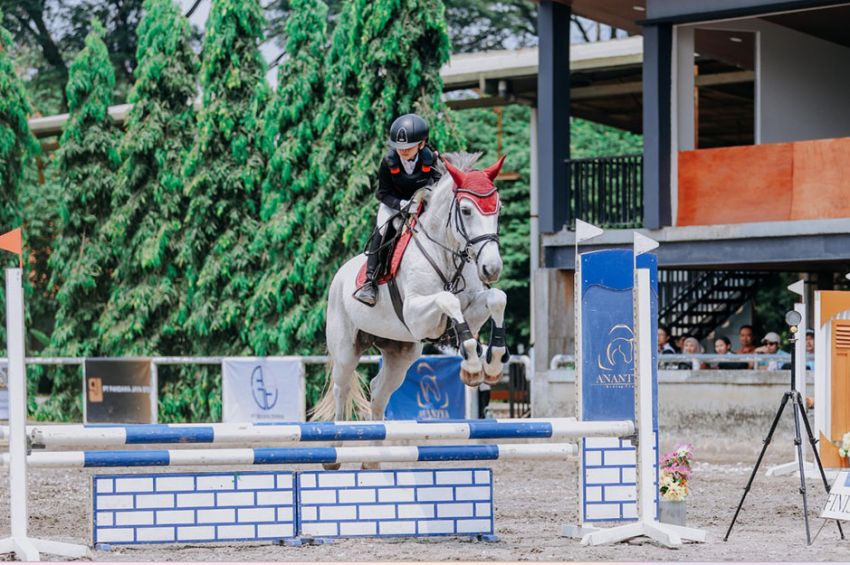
pixel 607 191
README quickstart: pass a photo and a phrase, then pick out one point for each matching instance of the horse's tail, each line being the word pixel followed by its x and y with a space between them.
pixel 356 403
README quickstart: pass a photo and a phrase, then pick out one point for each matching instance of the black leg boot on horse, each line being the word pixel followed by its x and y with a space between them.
pixel 368 293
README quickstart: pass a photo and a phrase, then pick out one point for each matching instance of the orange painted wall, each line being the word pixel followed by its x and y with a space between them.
pixel 761 183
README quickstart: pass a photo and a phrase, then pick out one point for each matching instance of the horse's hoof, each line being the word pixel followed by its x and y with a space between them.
pixel 331 466
pixel 492 379
pixel 370 466
pixel 472 379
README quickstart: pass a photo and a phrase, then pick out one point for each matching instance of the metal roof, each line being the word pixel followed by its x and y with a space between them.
pixel 471 71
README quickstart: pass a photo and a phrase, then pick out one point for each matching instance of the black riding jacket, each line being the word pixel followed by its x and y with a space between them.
pixel 395 185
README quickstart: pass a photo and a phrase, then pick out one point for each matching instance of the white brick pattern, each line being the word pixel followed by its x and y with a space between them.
pixel 609 481
pixel 199 507
pixel 396 503
pixel 210 507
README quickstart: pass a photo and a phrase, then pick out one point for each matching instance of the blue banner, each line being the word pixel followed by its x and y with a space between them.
pixel 608 351
pixel 432 390
pixel 608 339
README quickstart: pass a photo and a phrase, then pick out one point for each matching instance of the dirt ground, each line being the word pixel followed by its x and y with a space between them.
pixel 532 501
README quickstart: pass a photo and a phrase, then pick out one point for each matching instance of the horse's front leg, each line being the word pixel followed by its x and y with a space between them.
pixel 425 314
pixel 497 350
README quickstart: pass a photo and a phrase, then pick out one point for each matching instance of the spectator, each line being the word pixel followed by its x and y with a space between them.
pixel 664 346
pixel 680 343
pixel 745 339
pixel 723 346
pixel 771 347
pixel 810 350
pixel 691 346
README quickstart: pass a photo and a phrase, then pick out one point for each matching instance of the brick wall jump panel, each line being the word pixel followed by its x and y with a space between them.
pixel 392 503
pixel 192 508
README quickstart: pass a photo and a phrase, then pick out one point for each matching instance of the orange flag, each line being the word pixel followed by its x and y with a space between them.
pixel 12 242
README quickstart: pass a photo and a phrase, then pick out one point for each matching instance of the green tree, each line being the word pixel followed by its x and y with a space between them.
pixel 148 203
pixel 384 61
pixel 590 139
pixel 85 167
pixel 224 174
pixel 39 202
pixel 289 122
pixel 17 147
pixel 48 33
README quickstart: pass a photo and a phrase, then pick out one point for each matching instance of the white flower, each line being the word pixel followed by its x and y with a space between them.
pixel 672 489
pixel 845 445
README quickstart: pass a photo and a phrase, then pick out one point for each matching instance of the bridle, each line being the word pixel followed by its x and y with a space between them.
pixel 465 253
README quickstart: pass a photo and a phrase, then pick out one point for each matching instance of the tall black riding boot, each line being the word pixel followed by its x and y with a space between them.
pixel 368 293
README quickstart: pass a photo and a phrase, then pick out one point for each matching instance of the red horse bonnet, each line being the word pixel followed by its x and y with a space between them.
pixel 477 186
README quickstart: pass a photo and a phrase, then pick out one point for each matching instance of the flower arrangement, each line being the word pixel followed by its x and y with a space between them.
pixel 844 450
pixel 674 473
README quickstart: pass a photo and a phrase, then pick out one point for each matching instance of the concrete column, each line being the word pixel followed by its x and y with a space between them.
pixel 553 314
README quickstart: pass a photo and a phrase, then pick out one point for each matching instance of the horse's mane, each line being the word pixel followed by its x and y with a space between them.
pixel 439 195
pixel 461 159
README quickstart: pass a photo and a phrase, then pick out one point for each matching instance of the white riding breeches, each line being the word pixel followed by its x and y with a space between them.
pixel 384 215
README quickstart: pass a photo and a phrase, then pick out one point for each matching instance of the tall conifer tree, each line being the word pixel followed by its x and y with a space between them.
pixel 148 203
pixel 291 128
pixel 224 175
pixel 385 61
pixel 17 146
pixel 85 168
pixel 222 179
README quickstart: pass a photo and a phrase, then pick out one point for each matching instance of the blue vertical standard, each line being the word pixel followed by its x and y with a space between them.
pixel 606 384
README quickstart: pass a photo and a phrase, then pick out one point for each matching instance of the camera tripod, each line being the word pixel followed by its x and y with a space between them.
pixel 795 398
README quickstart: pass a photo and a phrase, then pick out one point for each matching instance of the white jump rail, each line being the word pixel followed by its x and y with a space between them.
pixel 104 436
pixel 298 455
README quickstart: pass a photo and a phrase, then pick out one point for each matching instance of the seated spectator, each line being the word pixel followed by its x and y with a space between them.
pixel 723 346
pixel 691 346
pixel 745 339
pixel 810 349
pixel 680 343
pixel 664 346
pixel 771 347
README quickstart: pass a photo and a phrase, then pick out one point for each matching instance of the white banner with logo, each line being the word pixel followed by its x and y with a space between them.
pixel 263 389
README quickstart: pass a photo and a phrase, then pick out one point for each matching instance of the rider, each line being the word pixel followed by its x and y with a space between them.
pixel 409 165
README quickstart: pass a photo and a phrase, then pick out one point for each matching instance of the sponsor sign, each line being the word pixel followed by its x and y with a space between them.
pixel 607 378
pixel 263 389
pixel 432 390
pixel 118 391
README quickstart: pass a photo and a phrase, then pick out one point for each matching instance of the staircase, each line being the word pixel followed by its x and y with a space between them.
pixel 697 302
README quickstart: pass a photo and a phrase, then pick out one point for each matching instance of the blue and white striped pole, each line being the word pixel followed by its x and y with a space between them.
pixel 297 455
pixel 107 436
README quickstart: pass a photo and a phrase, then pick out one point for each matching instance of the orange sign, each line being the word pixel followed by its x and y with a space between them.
pixel 12 242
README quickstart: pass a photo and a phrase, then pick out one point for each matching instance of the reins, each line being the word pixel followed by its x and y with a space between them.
pixel 460 257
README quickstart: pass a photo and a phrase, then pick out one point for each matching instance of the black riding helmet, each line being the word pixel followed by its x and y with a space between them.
pixel 407 131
